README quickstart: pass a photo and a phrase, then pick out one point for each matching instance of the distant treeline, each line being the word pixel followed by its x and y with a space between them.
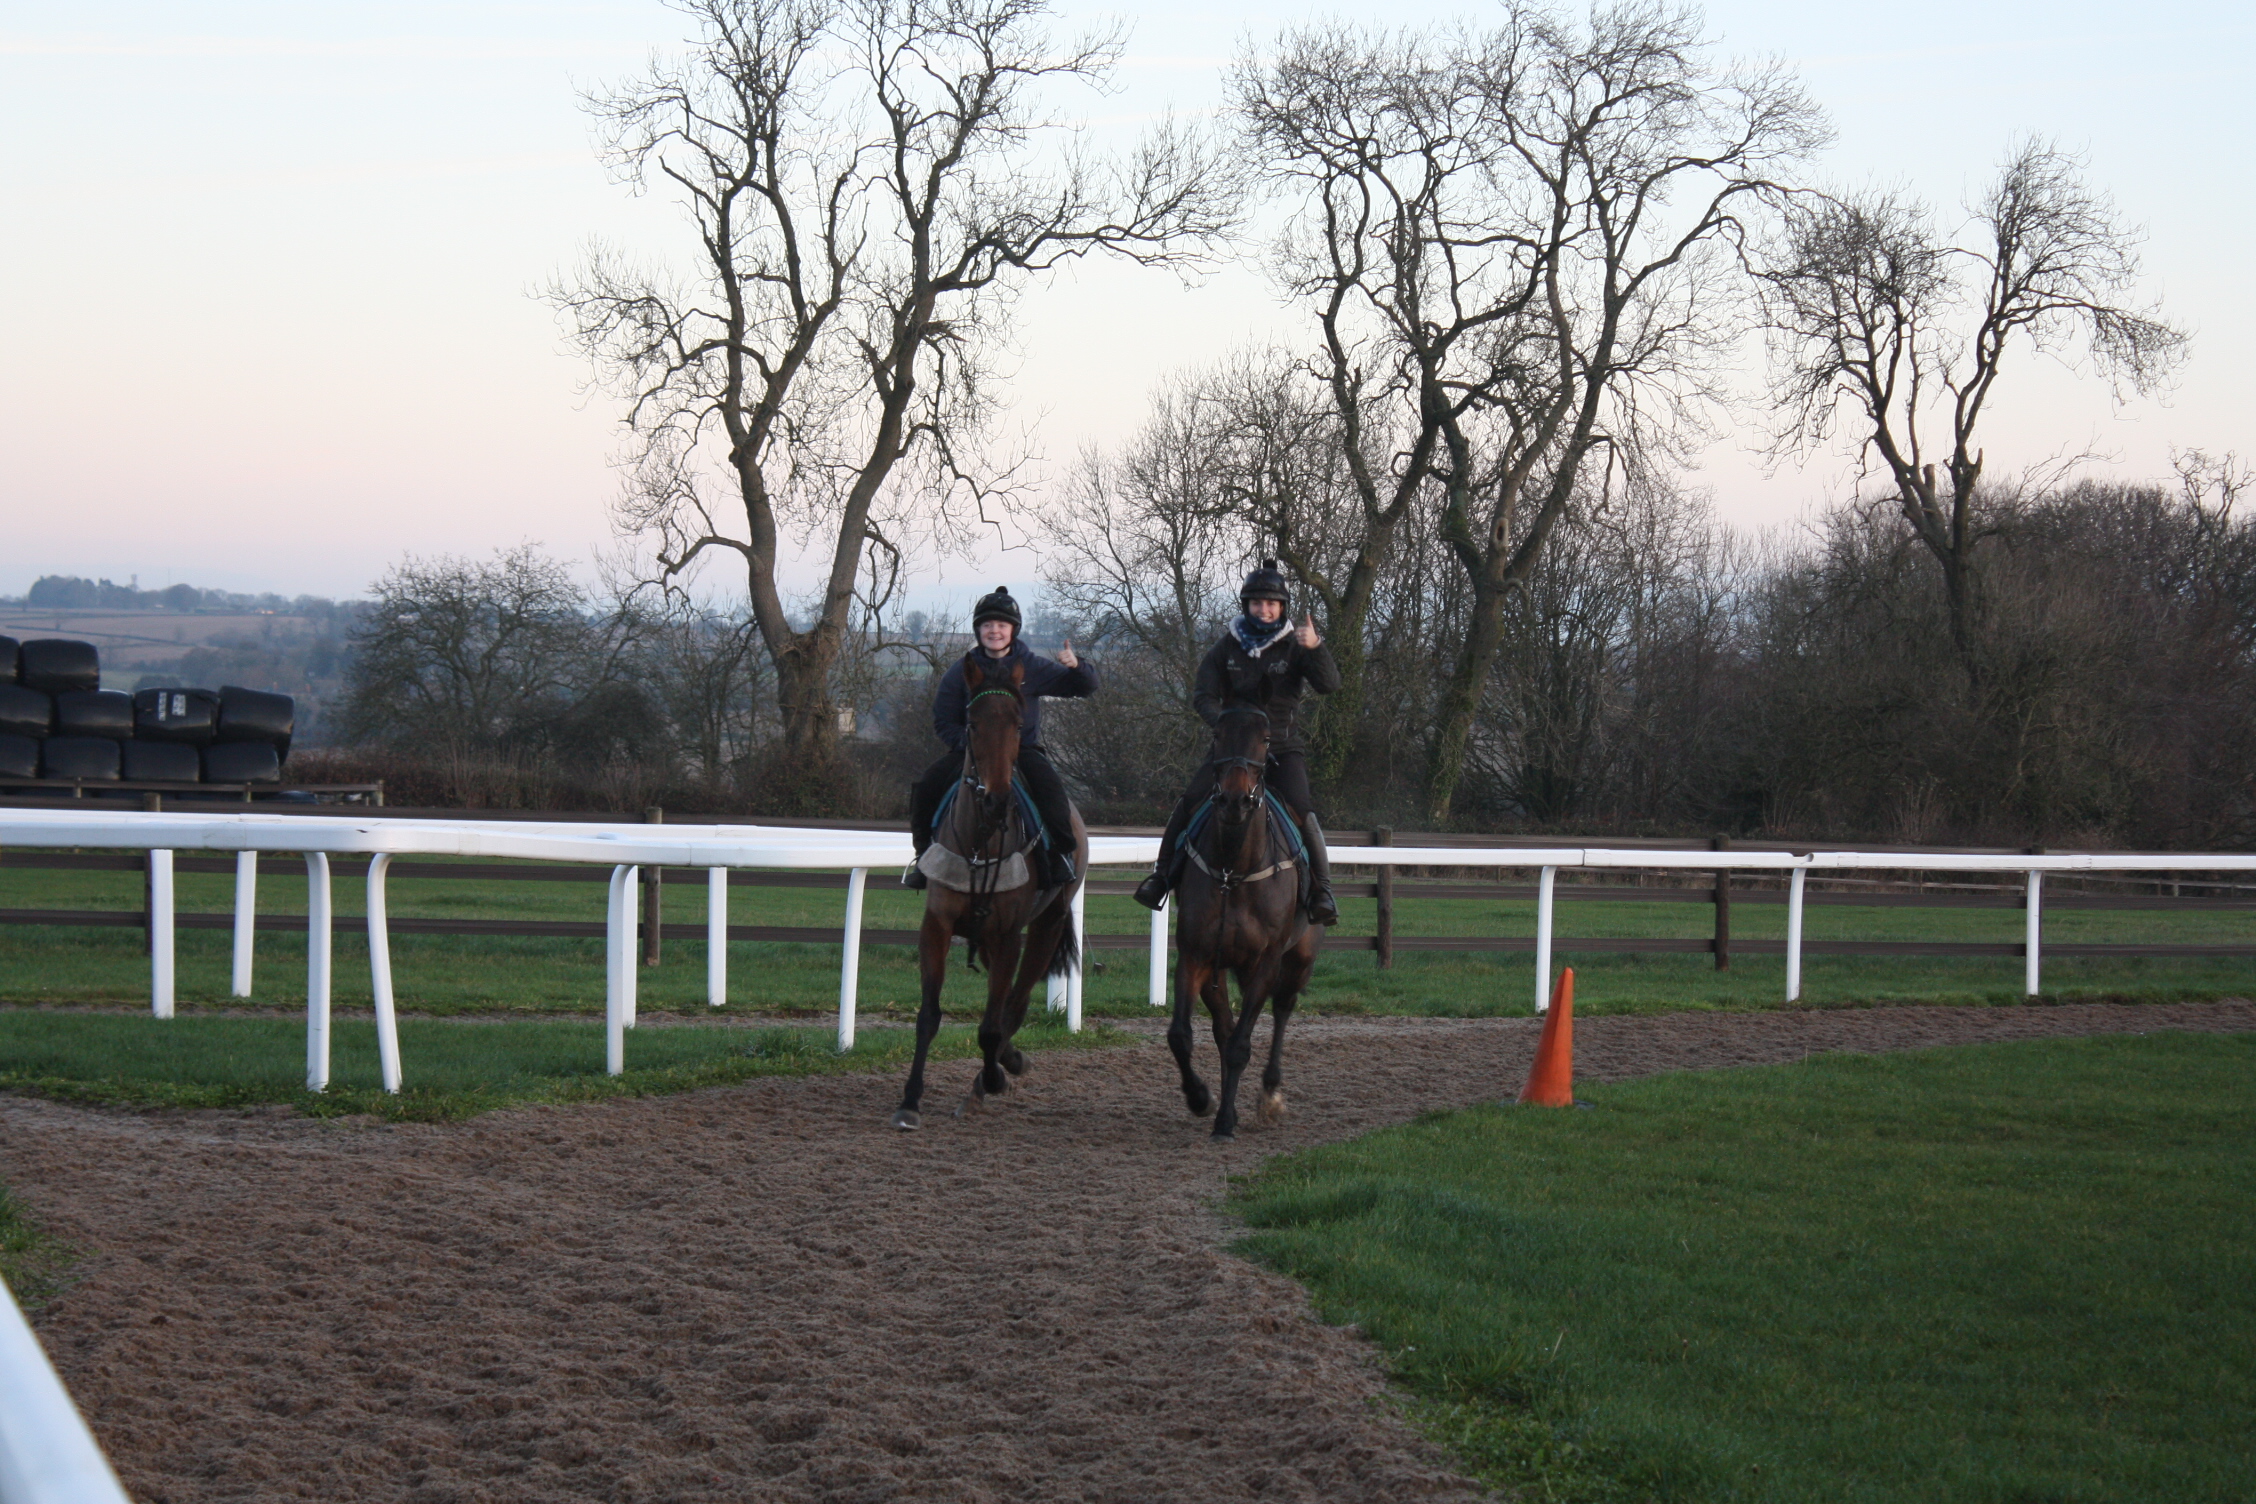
pixel 1658 674
pixel 65 592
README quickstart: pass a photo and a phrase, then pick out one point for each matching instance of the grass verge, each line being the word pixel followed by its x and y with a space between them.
pixel 2010 1272
pixel 453 1070
pixel 35 1265
pixel 440 975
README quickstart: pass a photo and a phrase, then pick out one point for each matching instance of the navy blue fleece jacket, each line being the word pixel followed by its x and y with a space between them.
pixel 1045 677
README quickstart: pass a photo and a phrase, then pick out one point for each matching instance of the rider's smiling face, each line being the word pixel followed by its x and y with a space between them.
pixel 995 637
pixel 1265 611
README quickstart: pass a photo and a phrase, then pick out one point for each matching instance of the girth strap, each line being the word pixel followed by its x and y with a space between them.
pixel 1228 878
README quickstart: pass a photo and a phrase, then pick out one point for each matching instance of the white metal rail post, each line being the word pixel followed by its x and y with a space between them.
pixel 318 970
pixel 716 935
pixel 380 972
pixel 619 964
pixel 1543 939
pixel 160 934
pixel 246 919
pixel 1794 935
pixel 850 967
pixel 47 1456
pixel 1073 978
pixel 2033 935
pixel 1159 954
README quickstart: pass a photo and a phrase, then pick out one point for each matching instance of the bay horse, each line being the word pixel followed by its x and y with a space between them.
pixel 1021 932
pixel 1240 913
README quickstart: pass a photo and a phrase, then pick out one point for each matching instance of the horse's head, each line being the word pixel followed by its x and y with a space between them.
pixel 991 718
pixel 1241 758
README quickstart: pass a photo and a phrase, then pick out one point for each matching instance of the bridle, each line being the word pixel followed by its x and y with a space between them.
pixel 986 871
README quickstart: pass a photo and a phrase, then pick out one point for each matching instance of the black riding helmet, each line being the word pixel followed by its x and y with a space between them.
pixel 997 605
pixel 1265 584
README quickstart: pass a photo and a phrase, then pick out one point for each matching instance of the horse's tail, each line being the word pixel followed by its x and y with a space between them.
pixel 1067 956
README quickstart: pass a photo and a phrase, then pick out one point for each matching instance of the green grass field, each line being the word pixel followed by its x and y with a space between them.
pixel 2014 1272
pixel 453 1068
pixel 477 974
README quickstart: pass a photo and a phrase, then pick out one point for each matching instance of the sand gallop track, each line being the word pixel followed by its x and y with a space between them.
pixel 763 1293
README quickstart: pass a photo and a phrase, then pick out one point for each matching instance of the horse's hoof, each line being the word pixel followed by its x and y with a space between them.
pixel 994 1081
pixel 1225 1136
pixel 1201 1107
pixel 1272 1109
pixel 1016 1062
pixel 907 1121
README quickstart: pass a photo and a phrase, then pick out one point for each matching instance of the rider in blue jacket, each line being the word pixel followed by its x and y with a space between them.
pixel 995 621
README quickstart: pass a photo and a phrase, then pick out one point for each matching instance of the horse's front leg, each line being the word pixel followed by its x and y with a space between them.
pixel 1192 972
pixel 1254 983
pixel 1043 937
pixel 1292 975
pixel 1002 964
pixel 932 971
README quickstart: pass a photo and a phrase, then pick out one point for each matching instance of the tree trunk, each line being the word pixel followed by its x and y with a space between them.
pixel 1339 714
pixel 1460 702
pixel 804 771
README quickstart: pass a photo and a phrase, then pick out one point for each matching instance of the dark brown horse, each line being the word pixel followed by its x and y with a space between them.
pixel 1019 930
pixel 1239 913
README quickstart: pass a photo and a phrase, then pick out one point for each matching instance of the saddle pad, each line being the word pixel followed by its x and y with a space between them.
pixel 1283 828
pixel 1026 807
pixel 950 870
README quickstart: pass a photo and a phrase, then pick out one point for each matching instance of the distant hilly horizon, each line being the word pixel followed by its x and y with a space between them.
pixel 60 592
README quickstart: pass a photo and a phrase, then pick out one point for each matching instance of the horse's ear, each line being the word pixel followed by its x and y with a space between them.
pixel 1018 676
pixel 973 678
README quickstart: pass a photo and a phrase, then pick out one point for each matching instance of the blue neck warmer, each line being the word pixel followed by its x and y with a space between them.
pixel 1257 637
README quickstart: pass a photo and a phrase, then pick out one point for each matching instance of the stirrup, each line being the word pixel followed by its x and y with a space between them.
pixel 1322 908
pixel 913 876
pixel 1152 891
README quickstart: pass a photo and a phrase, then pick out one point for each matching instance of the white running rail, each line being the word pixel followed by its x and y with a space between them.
pixel 47 1456
pixel 627 848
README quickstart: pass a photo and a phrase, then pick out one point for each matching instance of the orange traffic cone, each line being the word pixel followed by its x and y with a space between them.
pixel 1551 1082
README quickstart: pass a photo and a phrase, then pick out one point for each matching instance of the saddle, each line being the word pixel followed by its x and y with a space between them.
pixel 967 874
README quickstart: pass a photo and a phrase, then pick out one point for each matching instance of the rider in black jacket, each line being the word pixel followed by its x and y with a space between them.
pixel 1265 662
pixel 995 621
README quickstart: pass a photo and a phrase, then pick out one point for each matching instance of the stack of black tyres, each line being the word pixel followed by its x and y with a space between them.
pixel 56 721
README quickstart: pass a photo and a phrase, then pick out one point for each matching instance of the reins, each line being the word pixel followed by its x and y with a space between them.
pixel 986 872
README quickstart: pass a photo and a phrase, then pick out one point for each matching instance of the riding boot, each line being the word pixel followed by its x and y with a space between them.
pixel 1057 867
pixel 1152 891
pixel 1322 908
pixel 920 836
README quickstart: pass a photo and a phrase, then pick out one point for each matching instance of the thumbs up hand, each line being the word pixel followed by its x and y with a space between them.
pixel 1306 634
pixel 1067 656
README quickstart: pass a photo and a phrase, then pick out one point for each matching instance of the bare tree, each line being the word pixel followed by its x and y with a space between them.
pixel 1514 242
pixel 1881 323
pixel 461 654
pixel 1150 549
pixel 870 182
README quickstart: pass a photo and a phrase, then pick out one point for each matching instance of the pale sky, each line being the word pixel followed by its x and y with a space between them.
pixel 269 322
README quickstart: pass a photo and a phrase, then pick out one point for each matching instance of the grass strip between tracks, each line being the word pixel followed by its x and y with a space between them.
pixel 453 1070
pixel 2001 1272
pixel 35 1264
